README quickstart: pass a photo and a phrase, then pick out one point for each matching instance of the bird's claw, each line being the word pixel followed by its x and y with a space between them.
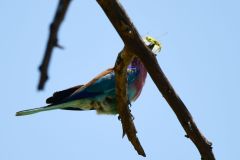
pixel 129 103
pixel 132 117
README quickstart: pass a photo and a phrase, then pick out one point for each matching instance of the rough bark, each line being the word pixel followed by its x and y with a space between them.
pixel 134 44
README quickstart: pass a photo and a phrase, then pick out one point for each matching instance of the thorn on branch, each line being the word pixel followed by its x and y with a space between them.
pixel 123 133
pixel 59 46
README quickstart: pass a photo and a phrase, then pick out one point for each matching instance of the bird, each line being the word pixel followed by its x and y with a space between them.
pixel 99 94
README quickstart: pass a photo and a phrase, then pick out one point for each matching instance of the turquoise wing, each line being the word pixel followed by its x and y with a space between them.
pixel 103 85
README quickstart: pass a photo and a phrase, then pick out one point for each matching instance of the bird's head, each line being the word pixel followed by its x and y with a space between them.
pixel 153 44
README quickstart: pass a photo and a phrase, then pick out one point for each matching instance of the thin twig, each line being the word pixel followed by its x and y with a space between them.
pixel 52 41
pixel 135 45
pixel 120 69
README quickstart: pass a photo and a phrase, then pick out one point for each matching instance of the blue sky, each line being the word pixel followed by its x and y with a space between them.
pixel 200 57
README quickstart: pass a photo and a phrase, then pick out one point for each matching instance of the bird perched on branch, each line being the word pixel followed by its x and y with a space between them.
pixel 99 94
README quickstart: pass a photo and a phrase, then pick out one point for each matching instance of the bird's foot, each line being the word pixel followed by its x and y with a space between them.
pixel 132 117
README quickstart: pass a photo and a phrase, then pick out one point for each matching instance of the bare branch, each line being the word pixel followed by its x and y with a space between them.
pixel 52 41
pixel 134 43
pixel 122 62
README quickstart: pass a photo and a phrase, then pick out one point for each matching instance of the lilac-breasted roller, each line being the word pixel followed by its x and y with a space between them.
pixel 99 94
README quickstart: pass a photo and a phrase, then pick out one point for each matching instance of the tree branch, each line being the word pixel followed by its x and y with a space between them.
pixel 123 60
pixel 52 41
pixel 134 44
